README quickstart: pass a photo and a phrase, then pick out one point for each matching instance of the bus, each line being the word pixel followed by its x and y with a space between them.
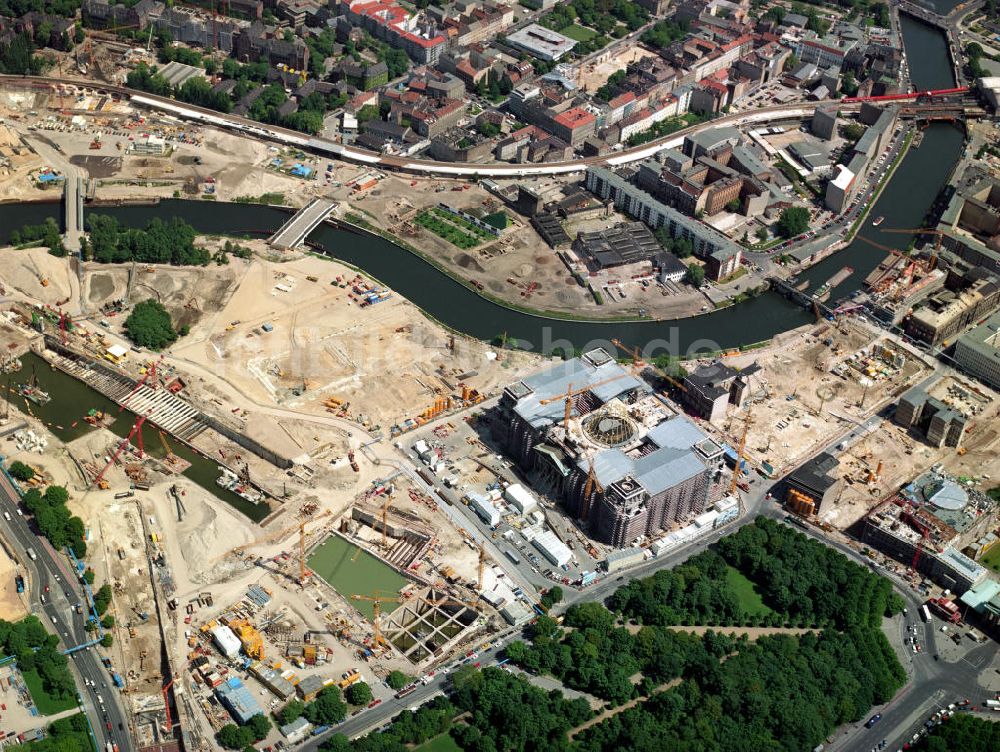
pixel 512 556
pixel 925 613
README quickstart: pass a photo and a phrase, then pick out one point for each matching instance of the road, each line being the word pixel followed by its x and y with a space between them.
pixel 58 613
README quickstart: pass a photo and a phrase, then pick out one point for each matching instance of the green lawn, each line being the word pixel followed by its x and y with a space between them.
pixel 991 560
pixel 578 33
pixel 46 704
pixel 440 743
pixel 746 591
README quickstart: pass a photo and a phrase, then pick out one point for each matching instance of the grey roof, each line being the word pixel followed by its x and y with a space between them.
pixel 577 373
pixel 749 161
pixel 674 461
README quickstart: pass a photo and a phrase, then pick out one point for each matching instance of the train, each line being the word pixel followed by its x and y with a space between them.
pixel 910 95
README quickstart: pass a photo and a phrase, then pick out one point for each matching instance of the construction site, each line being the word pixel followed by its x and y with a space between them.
pixel 814 382
pixel 901 280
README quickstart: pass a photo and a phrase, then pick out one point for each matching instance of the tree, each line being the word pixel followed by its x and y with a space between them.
pixel 761 234
pixel 102 599
pixel 260 726
pixel 20 471
pixel 733 206
pixel 232 736
pixel 552 597
pixel 108 621
pixel 793 221
pixel 328 708
pixel 696 274
pixel 290 712
pixel 107 641
pixel 397 680
pixel 149 325
pixel 359 693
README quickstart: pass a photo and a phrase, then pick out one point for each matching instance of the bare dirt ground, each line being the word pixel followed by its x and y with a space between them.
pixel 23 272
pixel 97 135
pixel 799 399
pixel 386 360
pixel 508 265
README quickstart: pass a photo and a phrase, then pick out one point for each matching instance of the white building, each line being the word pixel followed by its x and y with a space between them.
pixel 149 144
pixel 543 43
pixel 226 641
pixel 487 512
pixel 623 558
pixel 520 498
pixel 553 549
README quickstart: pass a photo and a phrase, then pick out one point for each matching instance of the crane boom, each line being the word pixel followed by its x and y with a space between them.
pixel 570 393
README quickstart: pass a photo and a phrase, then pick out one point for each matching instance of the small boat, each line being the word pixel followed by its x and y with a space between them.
pixel 877 221
pixel 31 390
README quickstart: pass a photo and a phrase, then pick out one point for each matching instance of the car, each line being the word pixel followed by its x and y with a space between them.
pixel 873 720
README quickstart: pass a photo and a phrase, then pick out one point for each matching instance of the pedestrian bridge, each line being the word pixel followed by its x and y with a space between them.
pixel 306 219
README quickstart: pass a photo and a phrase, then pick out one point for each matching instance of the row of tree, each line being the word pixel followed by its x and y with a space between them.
pixel 37 650
pixel 170 242
pixel 54 519
pixel 47 233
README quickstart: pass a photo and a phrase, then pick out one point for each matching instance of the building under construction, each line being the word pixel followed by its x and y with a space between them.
pixel 927 526
pixel 620 459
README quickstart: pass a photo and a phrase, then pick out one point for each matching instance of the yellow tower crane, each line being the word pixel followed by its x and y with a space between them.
pixel 634 352
pixel 377 601
pixel 570 393
pixel 592 485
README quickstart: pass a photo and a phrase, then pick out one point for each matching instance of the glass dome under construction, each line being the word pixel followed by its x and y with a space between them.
pixel 609 427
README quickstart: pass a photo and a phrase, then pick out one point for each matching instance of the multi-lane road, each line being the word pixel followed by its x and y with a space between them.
pixel 57 609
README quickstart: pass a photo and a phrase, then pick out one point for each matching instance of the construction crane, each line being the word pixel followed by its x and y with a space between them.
pixel 377 601
pixel 482 565
pixel 150 374
pixel 303 571
pixel 169 727
pixel 277 535
pixel 168 451
pixel 592 485
pixel 737 471
pixel 570 393
pixel 932 261
pixel 136 431
pixel 635 352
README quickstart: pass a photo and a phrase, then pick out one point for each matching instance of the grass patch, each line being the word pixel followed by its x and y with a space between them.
pixel 46 704
pixel 440 743
pixel 991 559
pixel 446 230
pixel 750 600
pixel 578 33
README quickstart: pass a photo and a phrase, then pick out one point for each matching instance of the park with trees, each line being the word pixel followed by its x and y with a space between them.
pixel 170 242
pixel 40 662
pixel 671 689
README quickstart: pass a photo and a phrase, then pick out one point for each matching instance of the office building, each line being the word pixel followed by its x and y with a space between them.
pixel 812 484
pixel 978 352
